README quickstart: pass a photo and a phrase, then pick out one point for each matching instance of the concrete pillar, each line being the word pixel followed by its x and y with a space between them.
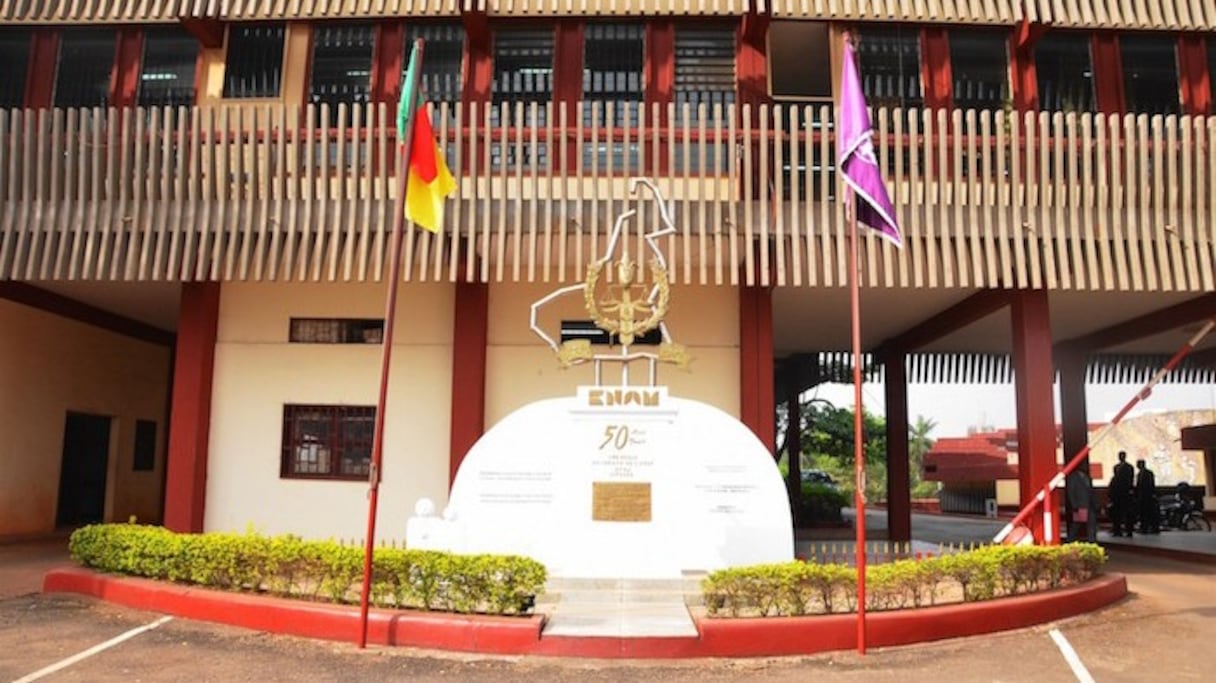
pixel 1033 378
pixel 190 415
pixel 899 479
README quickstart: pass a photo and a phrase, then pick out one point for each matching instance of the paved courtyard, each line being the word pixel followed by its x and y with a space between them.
pixel 1163 631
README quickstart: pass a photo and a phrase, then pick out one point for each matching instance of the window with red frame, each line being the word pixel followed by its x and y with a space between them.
pixel 979 63
pixel 14 59
pixel 327 441
pixel 166 75
pixel 1064 66
pixel 86 61
pixel 1150 74
pixel 341 66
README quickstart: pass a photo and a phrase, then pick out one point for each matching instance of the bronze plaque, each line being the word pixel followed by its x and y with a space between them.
pixel 613 501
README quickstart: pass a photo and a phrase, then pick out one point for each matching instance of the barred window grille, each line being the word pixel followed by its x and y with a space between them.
pixel 890 66
pixel 254 67
pixel 166 76
pixel 1065 69
pixel 336 331
pixel 442 68
pixel 1150 74
pixel 327 441
pixel 523 71
pixel 613 60
pixel 341 65
pixel 86 62
pixel 979 60
pixel 705 69
pixel 14 60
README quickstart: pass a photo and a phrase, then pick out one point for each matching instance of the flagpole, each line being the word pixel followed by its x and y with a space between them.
pixel 859 461
pixel 386 343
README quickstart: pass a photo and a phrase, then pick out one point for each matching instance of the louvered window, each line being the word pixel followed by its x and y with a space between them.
pixel 1150 74
pixel 979 60
pixel 1065 72
pixel 705 69
pixel 166 76
pixel 14 60
pixel 523 67
pixel 254 67
pixel 442 63
pixel 523 73
pixel 890 66
pixel 613 56
pixel 341 65
pixel 86 62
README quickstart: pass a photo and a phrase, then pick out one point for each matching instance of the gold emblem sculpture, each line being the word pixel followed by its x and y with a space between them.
pixel 628 306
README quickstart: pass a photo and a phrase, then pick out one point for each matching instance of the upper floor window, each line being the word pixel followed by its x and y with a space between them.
pixel 254 67
pixel 705 68
pixel 613 60
pixel 979 62
pixel 1065 69
pixel 341 65
pixel 1212 74
pixel 799 56
pixel 327 441
pixel 86 63
pixel 14 59
pixel 890 66
pixel 442 66
pixel 523 66
pixel 1150 74
pixel 166 77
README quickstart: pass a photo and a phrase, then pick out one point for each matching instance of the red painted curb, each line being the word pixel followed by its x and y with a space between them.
pixel 522 635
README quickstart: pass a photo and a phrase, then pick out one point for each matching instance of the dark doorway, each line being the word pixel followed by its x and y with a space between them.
pixel 82 480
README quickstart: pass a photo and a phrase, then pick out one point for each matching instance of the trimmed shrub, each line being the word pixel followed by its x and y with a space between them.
pixel 799 588
pixel 292 567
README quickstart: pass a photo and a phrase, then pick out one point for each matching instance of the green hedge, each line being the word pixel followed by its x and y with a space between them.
pixel 316 570
pixel 799 588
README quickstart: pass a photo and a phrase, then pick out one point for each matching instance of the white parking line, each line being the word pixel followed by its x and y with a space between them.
pixel 65 663
pixel 1070 656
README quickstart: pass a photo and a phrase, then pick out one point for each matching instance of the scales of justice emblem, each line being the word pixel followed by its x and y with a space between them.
pixel 625 306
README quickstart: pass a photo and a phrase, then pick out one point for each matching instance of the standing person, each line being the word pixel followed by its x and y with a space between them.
pixel 1146 499
pixel 1121 498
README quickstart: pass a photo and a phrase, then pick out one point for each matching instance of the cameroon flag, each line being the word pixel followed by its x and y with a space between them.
pixel 430 181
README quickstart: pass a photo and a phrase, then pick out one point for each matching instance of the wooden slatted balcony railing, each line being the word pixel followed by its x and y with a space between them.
pixel 986 199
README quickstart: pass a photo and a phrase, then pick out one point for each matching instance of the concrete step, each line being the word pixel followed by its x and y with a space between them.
pixel 609 592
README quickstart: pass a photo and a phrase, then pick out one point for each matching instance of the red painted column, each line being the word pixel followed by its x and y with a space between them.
pixel 44 58
pixel 1108 74
pixel 936 69
pixel 1194 76
pixel 128 58
pixel 660 72
pixel 190 416
pixel 1033 379
pixel 751 60
pixel 899 478
pixel 757 407
pixel 470 335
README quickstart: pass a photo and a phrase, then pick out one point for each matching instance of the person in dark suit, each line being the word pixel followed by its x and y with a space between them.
pixel 1146 499
pixel 1122 502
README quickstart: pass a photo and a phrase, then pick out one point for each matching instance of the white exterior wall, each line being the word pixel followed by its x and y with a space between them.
pixel 257 372
pixel 50 365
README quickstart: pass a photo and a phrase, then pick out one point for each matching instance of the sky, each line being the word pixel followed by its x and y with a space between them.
pixel 959 407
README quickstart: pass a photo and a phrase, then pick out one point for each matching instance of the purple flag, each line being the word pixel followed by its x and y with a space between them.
pixel 855 155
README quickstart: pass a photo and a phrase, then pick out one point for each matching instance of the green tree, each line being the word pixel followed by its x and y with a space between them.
pixel 920 443
pixel 827 442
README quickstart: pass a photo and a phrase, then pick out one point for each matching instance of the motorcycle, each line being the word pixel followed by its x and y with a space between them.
pixel 1181 512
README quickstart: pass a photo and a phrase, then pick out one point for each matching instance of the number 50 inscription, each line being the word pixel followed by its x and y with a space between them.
pixel 617 435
